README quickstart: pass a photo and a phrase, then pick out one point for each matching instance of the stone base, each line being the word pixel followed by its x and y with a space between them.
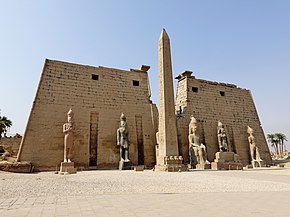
pixel 139 168
pixel 226 156
pixel 226 161
pixel 68 167
pixel 170 168
pixel 233 166
pixel 171 164
pixel 216 165
pixel 125 165
pixel 258 163
pixel 203 166
pixel 190 166
pixel 226 166
pixel 16 167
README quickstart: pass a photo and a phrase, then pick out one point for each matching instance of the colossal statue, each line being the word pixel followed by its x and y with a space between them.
pixel 123 139
pixel 222 137
pixel 197 150
pixel 68 130
pixel 254 150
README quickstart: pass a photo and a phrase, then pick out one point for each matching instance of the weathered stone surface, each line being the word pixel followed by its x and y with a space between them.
pixel 226 161
pixel 139 168
pixel 211 101
pixel 68 167
pixel 125 165
pixel 14 142
pixel 167 134
pixel 167 155
pixel 204 166
pixel 172 164
pixel 257 163
pixel 225 156
pixel 232 166
pixel 16 167
pixel 98 96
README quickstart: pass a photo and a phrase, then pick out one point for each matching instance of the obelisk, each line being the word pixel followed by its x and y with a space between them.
pixel 167 132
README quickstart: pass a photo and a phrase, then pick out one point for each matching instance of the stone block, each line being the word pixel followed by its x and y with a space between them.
pixel 232 166
pixel 68 167
pixel 16 167
pixel 139 168
pixel 226 166
pixel 173 159
pixel 258 163
pixel 203 166
pixel 125 165
pixel 216 165
pixel 171 168
pixel 225 156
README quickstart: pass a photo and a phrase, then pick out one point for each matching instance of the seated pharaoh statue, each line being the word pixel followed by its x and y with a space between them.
pixel 222 137
pixel 197 150
pixel 254 150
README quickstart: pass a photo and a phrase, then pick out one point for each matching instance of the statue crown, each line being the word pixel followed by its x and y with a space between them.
pixel 70 112
pixel 123 117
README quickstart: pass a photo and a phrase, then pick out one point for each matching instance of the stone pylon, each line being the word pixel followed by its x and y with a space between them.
pixel 167 151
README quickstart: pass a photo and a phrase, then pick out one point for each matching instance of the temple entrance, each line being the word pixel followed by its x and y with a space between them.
pixel 94 119
pixel 140 143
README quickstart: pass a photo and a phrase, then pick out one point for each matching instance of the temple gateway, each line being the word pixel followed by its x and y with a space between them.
pixel 184 130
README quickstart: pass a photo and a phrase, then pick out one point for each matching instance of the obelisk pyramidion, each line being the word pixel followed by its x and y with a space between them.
pixel 167 133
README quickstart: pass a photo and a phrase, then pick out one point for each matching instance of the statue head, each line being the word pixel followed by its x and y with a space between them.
pixel 70 115
pixel 220 124
pixel 193 120
pixel 192 125
pixel 250 130
pixel 123 117
pixel 123 123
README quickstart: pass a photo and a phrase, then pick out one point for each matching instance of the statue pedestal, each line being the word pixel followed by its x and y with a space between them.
pixel 258 163
pixel 226 161
pixel 68 167
pixel 139 168
pixel 172 164
pixel 125 165
pixel 203 166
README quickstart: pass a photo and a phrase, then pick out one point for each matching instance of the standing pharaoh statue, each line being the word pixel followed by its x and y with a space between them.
pixel 68 130
pixel 222 137
pixel 254 150
pixel 197 150
pixel 123 139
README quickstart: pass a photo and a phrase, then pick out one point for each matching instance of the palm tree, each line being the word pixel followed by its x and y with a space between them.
pixel 281 139
pixel 5 123
pixel 272 138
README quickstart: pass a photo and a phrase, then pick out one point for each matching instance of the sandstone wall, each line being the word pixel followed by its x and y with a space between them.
pixel 14 142
pixel 98 96
pixel 212 101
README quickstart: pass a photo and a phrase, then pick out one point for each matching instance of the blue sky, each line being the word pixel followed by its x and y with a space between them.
pixel 244 42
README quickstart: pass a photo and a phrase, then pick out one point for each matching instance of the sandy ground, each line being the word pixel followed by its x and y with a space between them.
pixel 259 192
